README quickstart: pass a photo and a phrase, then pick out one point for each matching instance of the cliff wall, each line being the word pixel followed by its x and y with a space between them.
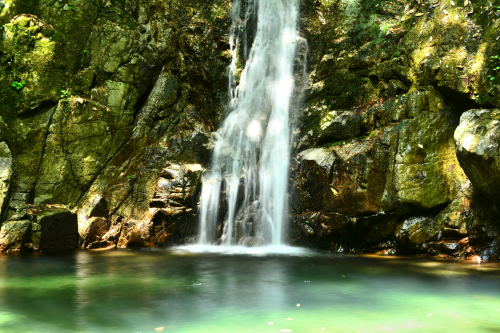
pixel 108 107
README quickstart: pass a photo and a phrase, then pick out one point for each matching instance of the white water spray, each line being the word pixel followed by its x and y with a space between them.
pixel 252 153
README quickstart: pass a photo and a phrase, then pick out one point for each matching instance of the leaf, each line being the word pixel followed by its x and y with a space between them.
pixel 421 146
pixel 134 129
pixel 334 191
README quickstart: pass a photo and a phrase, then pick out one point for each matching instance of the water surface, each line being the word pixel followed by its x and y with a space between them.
pixel 273 290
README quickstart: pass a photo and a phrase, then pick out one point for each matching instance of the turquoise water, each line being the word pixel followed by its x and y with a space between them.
pixel 185 291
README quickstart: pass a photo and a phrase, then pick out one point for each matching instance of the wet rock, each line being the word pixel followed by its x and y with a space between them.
pixel 417 230
pixel 380 227
pixel 54 230
pixel 252 241
pixel 15 236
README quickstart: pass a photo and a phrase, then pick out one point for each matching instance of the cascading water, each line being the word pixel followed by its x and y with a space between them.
pixel 252 150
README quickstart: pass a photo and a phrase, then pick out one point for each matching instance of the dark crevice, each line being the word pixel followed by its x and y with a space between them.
pixel 43 107
pixel 141 102
pixel 417 211
pixel 461 101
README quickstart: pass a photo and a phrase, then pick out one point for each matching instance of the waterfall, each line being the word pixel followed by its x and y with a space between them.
pixel 249 171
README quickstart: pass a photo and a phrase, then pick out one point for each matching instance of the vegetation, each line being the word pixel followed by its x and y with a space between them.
pixel 18 84
pixel 495 60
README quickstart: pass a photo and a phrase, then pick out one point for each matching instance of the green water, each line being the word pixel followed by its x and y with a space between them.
pixel 138 291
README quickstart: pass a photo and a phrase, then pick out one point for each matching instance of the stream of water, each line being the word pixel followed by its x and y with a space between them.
pixel 252 152
pixel 266 290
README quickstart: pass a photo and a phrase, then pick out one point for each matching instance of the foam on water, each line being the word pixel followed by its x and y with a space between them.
pixel 256 251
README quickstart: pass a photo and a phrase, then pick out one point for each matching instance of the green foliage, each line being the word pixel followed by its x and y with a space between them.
pixel 495 60
pixel 18 84
pixel 482 99
pixel 65 94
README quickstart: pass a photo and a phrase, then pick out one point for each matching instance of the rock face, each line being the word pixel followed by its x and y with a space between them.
pixel 107 111
pixel 96 100
pixel 376 166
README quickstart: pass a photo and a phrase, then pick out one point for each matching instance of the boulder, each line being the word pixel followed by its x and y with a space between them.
pixel 97 227
pixel 54 230
pixel 477 146
pixel 14 236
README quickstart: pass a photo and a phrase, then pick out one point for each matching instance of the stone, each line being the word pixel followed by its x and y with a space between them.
pixel 54 230
pixel 252 241
pixel 15 236
pixel 477 145
pixel 423 175
pixel 416 230
pixel 97 228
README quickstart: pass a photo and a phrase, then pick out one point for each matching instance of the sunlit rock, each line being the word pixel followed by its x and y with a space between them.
pixel 5 177
pixel 477 144
pixel 15 236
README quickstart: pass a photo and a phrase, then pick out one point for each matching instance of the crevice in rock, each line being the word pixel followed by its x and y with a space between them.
pixel 42 107
pixel 126 197
pixel 66 156
pixel 141 102
pixel 31 194
pixel 419 212
pixel 461 101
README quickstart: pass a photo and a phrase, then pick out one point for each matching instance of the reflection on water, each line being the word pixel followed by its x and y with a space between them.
pixel 187 290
